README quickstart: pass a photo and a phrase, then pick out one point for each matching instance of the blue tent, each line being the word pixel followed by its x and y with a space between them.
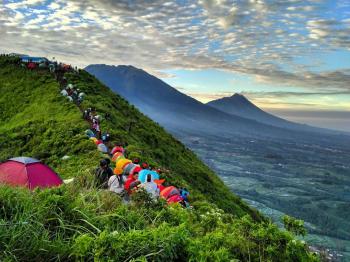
pixel 143 175
pixel 102 148
pixel 26 59
pixel 89 133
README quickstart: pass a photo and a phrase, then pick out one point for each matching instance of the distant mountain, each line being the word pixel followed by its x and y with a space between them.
pixel 239 105
pixel 168 106
pixel 175 110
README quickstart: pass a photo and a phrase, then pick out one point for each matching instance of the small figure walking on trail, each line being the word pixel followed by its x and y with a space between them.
pixel 96 127
pixel 105 137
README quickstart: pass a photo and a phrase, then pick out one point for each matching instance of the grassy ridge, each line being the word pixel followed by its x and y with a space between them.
pixel 77 221
pixel 39 122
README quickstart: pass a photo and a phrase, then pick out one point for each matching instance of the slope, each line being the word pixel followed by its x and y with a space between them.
pixel 39 123
pixel 79 222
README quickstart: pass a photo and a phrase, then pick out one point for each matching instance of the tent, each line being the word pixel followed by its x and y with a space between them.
pixel 117 156
pixel 129 168
pixel 118 171
pixel 98 142
pixel 169 192
pixel 143 175
pixel 64 93
pixel 117 149
pixel 120 165
pixel 122 162
pixel 175 199
pixel 102 148
pixel 136 169
pixel 89 133
pixel 28 172
pixel 38 60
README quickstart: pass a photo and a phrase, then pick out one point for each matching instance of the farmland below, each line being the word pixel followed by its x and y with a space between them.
pixel 306 180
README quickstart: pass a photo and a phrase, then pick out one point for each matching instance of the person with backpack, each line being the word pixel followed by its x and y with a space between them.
pixel 116 184
pixel 103 173
pixel 96 127
pixel 150 187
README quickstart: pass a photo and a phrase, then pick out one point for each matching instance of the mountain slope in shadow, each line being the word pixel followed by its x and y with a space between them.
pixel 175 110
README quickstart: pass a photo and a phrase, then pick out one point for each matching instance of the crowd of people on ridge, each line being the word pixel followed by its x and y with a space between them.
pixel 128 176
pixel 123 180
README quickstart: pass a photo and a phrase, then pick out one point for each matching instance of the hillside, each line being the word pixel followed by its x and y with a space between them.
pixel 76 221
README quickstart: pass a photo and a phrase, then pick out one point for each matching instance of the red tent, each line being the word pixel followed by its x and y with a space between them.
pixel 117 149
pixel 169 191
pixel 175 199
pixel 28 172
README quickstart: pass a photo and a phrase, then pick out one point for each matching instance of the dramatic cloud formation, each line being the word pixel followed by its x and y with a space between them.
pixel 269 40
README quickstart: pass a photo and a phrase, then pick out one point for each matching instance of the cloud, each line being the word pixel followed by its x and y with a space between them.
pixel 258 38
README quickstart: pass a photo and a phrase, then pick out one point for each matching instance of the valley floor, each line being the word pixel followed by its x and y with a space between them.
pixel 305 180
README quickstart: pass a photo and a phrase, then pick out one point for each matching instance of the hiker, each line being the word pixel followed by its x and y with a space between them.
pixel 89 115
pixel 105 137
pixel 132 182
pixel 80 97
pixel 85 114
pixel 144 165
pixel 151 187
pixel 103 173
pixel 52 68
pixel 96 126
pixel 116 184
pixel 75 95
pixel 184 193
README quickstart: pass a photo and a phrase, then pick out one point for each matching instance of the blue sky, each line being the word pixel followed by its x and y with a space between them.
pixel 282 54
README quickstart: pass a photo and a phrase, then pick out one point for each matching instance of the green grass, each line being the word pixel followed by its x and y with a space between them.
pixel 78 222
pixel 38 122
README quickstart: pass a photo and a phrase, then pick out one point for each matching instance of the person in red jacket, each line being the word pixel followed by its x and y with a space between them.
pixel 132 182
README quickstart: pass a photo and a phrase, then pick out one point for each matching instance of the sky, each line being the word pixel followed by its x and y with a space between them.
pixel 290 57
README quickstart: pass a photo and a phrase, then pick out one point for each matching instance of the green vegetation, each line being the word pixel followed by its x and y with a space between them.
pixel 76 222
pixel 293 225
pixel 79 222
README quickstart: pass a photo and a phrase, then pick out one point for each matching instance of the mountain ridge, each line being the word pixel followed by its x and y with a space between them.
pixel 175 110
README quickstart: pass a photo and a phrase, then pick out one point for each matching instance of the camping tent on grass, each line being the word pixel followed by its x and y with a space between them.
pixel 28 172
